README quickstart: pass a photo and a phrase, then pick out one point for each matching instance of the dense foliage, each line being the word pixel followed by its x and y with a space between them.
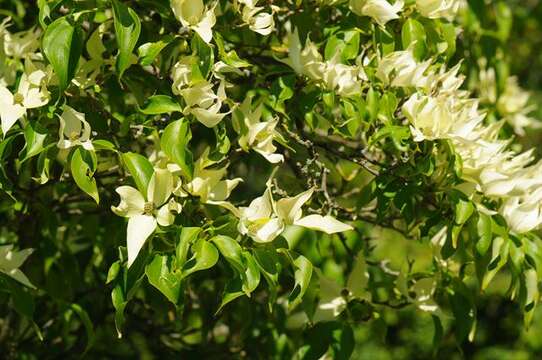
pixel 270 179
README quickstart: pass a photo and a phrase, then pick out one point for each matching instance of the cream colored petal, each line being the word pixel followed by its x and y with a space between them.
pixel 289 209
pixel 226 205
pixel 140 227
pixel 269 231
pixel 132 202
pixel 327 224
pixel 164 216
pixel 160 186
pixel 205 27
pixel 209 117
pixel 10 115
pixel 72 120
pixel 223 189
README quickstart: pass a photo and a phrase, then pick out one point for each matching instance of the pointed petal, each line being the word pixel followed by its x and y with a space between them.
pixel 160 186
pixel 223 189
pixel 289 209
pixel 140 227
pixel 327 224
pixel 131 202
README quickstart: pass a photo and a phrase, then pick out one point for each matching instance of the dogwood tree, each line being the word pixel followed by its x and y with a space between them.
pixel 254 179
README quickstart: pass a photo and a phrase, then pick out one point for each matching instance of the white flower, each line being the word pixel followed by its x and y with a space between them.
pixel 344 79
pixel 441 117
pixel 193 14
pixel 31 93
pixel 264 219
pixel 74 130
pixel 306 61
pixel 400 69
pixel 523 214
pixel 512 104
pixel 207 183
pixel 434 9
pixel 257 135
pixel 11 260
pixel 22 44
pixel 258 21
pixel 181 74
pixel 144 212
pixel 204 104
pixel 380 10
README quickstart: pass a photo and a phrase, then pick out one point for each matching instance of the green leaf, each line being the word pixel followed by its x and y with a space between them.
pixel 162 276
pixel 113 271
pixel 187 237
pixel 205 257
pixel 414 33
pixel 174 142
pixel 34 136
pixel 101 144
pixel 463 211
pixel 127 30
pixel 149 51
pixel 83 165
pixel 532 295
pixel 303 274
pixel 160 104
pixel 251 277
pixel 231 250
pixel 205 55
pixel 140 168
pixel 119 303
pixel 232 291
pixel 62 45
pixel 484 232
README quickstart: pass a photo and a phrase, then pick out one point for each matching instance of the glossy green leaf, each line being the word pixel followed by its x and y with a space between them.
pixel 62 45
pixel 302 275
pixel 205 256
pixel 83 165
pixel 413 34
pixel 140 168
pixel 160 104
pixel 34 135
pixel 127 30
pixel 149 51
pixel 174 142
pixel 164 277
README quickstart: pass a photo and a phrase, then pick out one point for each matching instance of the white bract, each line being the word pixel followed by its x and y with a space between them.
pixel 380 10
pixel 194 15
pixel 257 20
pixel 31 93
pixel 257 135
pixel 434 9
pixel 146 211
pixel 74 130
pixel 333 75
pixel 400 69
pixel 207 183
pixel 10 262
pixel 264 219
pixel 513 105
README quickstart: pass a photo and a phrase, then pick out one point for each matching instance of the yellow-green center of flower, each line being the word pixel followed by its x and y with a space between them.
pixel 18 98
pixel 148 208
pixel 74 136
